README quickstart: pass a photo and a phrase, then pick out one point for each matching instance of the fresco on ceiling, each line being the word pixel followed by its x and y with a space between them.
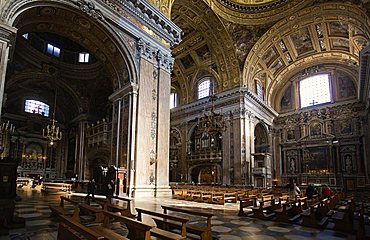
pixel 187 61
pixel 302 41
pixel 203 52
pixel 338 43
pixel 269 56
pixel 338 29
pixel 276 66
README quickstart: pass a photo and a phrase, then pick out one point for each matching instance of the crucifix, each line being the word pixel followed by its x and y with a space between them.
pixel 313 102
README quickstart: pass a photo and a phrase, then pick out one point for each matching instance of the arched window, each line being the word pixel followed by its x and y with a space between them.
pixel 36 107
pixel 204 87
pixel 173 100
pixel 259 90
pixel 314 90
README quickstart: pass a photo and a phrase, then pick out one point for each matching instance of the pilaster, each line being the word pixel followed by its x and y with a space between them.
pixel 7 40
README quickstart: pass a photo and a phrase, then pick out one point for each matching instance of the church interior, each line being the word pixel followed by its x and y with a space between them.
pixel 221 106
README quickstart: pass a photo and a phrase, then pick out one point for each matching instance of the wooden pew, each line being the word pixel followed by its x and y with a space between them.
pixel 51 186
pixel 60 209
pixel 265 208
pixel 73 230
pixel 228 197
pixel 309 216
pixel 299 205
pixel 136 229
pixel 162 231
pixel 128 212
pixel 107 204
pixel 244 203
pixel 343 218
pixel 87 209
pixel 177 193
pixel 205 233
pixel 285 213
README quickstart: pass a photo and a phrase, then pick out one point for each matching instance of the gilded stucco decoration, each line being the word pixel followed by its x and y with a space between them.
pixel 206 46
pixel 319 34
pixel 255 13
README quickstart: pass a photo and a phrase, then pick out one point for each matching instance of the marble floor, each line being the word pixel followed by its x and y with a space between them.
pixel 34 208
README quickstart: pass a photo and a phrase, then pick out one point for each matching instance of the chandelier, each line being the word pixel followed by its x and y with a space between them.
pixel 52 132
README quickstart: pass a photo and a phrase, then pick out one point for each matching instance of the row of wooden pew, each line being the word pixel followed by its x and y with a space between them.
pixel 217 195
pixel 72 226
pixel 335 212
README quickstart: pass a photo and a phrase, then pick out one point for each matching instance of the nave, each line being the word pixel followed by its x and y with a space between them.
pixel 226 224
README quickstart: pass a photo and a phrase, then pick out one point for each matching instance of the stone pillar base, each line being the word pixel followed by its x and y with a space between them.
pixel 151 191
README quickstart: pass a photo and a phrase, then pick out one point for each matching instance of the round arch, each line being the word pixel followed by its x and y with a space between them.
pixel 301 40
pixel 113 43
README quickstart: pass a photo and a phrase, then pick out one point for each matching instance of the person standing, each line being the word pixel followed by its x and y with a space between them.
pixel 90 189
pixel 110 188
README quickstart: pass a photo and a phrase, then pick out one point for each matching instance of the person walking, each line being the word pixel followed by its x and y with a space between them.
pixel 90 189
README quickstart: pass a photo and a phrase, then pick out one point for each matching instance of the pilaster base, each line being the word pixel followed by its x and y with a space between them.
pixel 152 191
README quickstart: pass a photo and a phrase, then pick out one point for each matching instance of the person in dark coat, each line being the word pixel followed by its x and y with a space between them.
pixel 90 189
pixel 310 191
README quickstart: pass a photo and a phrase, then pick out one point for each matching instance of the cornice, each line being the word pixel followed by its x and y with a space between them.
pixel 152 18
pixel 228 100
pixel 7 33
pixel 249 8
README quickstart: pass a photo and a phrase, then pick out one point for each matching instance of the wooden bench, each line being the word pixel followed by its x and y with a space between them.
pixel 47 186
pixel 205 233
pixel 265 208
pixel 136 229
pixel 309 216
pixel 227 197
pixel 128 212
pixel 73 230
pixel 87 209
pixel 162 230
pixel 107 204
pixel 178 193
pixel 285 213
pixel 60 209
pixel 244 203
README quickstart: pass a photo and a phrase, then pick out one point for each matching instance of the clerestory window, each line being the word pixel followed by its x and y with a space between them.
pixel 173 100
pixel 53 50
pixel 36 107
pixel 315 90
pixel 204 87
pixel 83 57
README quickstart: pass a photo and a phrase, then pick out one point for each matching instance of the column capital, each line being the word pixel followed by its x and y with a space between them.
pixel 165 61
pixel 130 88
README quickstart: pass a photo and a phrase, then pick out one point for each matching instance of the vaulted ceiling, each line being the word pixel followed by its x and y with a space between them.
pixel 240 41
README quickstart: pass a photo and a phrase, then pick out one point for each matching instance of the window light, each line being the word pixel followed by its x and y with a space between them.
pixel 53 50
pixel 36 107
pixel 173 100
pixel 83 57
pixel 314 90
pixel 203 88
